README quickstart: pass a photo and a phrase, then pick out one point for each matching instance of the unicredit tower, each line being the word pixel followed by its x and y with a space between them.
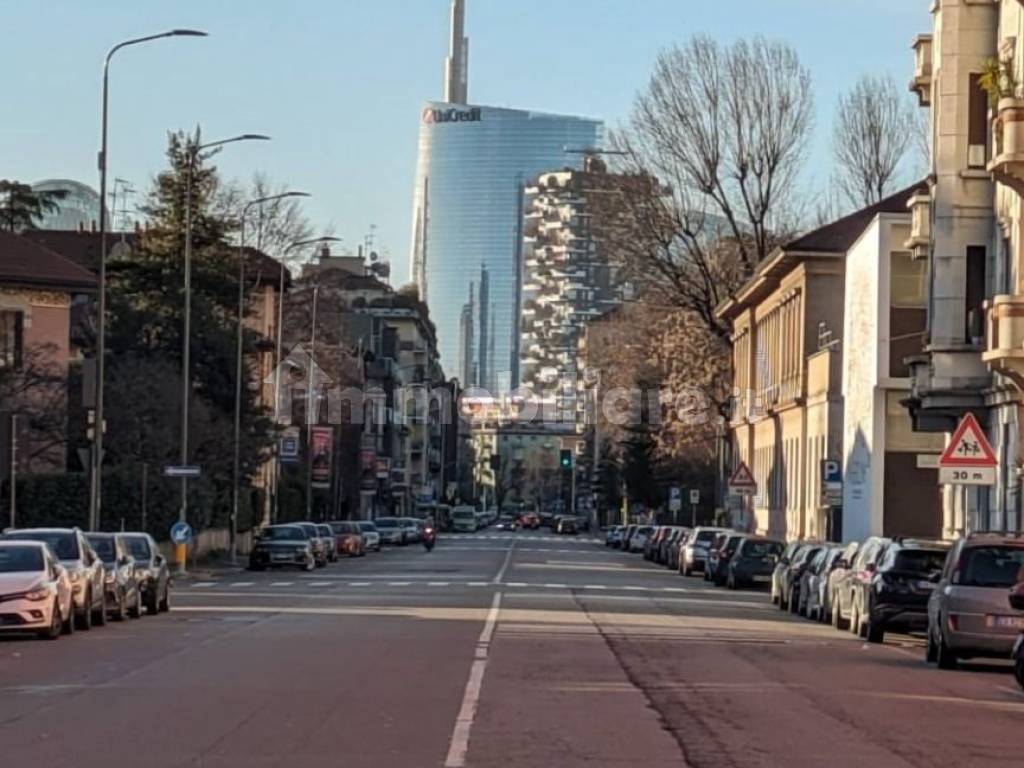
pixel 473 162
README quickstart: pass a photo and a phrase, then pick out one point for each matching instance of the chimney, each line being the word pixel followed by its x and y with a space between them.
pixel 325 252
pixel 92 225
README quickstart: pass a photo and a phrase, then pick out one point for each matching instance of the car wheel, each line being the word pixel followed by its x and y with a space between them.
pixel 945 658
pixel 165 604
pixel 1018 672
pixel 100 614
pixel 152 602
pixel 793 602
pixel 685 570
pixel 931 651
pixel 873 631
pixel 310 565
pixel 53 631
pixel 730 583
pixel 84 619
pixel 121 613
pixel 837 616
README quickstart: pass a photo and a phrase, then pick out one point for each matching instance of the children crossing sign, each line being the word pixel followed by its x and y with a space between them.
pixel 969 458
pixel 742 482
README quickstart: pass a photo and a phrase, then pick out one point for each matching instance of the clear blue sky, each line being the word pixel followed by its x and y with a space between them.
pixel 339 83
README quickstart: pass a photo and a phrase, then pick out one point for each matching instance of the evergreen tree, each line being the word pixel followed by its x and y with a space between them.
pixel 21 207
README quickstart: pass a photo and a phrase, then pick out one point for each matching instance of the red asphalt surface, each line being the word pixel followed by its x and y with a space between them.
pixel 596 659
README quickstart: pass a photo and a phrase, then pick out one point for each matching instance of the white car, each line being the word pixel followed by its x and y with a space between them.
pixel 35 593
pixel 371 536
pixel 637 541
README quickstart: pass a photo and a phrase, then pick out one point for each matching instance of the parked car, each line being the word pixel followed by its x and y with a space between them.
pixel 784 561
pixel 414 529
pixel 840 571
pixel 84 569
pixel 35 592
pixel 694 554
pixel 320 544
pixel 613 536
pixel 627 536
pixel 153 571
pixel 719 556
pixel 392 532
pixel 814 596
pixel 348 538
pixel 639 538
pixel 529 520
pixel 328 537
pixel 283 545
pixel 847 609
pixel 968 612
pixel 673 548
pixel 897 595
pixel 568 525
pixel 120 579
pixel 654 541
pixel 668 541
pixel 464 520
pixel 753 562
pixel 790 582
pixel 371 536
pixel 810 572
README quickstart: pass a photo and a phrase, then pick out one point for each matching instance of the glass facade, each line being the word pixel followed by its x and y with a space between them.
pixel 472 166
pixel 80 207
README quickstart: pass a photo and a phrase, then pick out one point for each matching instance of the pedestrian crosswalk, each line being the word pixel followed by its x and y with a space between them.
pixel 211 587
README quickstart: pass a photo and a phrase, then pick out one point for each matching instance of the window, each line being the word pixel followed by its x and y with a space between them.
pixel 12 330
pixel 975 292
pixel 907 285
pixel 977 125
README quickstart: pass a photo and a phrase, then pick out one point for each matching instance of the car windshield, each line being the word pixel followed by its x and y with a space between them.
pixel 463 515
pixel 104 547
pixel 993 566
pixel 284 533
pixel 761 548
pixel 344 528
pixel 139 547
pixel 387 522
pixel 705 537
pixel 368 527
pixel 64 544
pixel 923 561
pixel 310 530
pixel 20 559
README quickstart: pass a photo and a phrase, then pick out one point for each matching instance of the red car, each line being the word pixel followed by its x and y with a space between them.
pixel 348 538
pixel 530 520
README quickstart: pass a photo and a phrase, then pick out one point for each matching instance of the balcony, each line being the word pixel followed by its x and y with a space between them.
pixel 1007 164
pixel 1004 338
pixel 922 82
pixel 919 243
pixel 945 384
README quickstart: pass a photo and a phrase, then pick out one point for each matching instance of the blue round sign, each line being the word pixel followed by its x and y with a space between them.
pixel 181 533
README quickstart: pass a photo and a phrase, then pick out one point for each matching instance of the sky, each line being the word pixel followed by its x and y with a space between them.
pixel 339 84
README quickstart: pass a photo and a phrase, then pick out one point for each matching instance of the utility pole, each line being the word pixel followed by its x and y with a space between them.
pixel 310 410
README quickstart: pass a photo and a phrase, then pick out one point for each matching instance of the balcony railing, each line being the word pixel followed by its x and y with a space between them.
pixel 1004 338
pixel 922 82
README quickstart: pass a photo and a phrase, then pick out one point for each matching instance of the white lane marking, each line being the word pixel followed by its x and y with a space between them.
pixel 635 589
pixel 319 583
pixel 438 583
pixel 242 584
pixel 517 584
pixel 204 584
pixel 593 586
pixel 282 583
pixel 359 584
pixel 459 745
pixel 478 583
pixel 399 584
pixel 504 566
pixel 555 586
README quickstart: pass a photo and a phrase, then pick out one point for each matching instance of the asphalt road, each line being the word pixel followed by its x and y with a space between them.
pixel 496 649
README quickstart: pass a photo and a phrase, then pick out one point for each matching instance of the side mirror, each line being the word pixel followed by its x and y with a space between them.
pixel 935 577
pixel 1017 597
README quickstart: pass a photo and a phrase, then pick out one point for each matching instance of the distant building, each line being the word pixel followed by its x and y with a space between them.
pixel 79 209
pixel 471 167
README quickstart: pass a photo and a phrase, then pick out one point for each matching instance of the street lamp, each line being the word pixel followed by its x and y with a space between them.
pixel 277 368
pixel 238 359
pixel 186 368
pixel 96 462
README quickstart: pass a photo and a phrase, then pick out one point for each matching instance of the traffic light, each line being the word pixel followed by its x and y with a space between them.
pixel 565 458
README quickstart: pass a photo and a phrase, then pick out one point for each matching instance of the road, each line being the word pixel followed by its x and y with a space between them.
pixel 497 649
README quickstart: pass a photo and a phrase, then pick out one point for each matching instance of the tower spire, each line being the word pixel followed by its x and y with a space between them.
pixel 456 65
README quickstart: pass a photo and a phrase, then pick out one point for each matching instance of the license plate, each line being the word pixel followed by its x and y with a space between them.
pixel 1005 622
pixel 925 585
pixel 281 558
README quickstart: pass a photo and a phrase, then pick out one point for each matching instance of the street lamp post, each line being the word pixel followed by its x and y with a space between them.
pixel 96 461
pixel 236 474
pixel 186 367
pixel 311 409
pixel 280 358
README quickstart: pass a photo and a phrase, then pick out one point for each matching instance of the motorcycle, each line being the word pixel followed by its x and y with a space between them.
pixel 429 538
pixel 1017 601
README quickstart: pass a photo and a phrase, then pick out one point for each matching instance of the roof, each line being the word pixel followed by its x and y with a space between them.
pixel 26 263
pixel 832 240
pixel 265 267
pixel 83 248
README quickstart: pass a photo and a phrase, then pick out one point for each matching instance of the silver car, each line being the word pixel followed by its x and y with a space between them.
pixel 968 613
pixel 84 569
pixel 371 536
pixel 693 555
pixel 321 545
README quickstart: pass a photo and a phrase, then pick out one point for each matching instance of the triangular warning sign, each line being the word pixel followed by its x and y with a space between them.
pixel 969 447
pixel 742 477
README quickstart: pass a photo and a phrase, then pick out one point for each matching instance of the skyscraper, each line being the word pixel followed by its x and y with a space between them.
pixel 471 164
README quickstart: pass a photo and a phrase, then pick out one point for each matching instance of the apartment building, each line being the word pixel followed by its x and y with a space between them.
pixel 969 70
pixel 788 323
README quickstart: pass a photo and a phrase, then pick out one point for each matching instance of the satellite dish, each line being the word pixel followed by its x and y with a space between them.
pixel 373 256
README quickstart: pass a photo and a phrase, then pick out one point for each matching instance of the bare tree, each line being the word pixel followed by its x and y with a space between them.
pixel 723 130
pixel 277 223
pixel 871 135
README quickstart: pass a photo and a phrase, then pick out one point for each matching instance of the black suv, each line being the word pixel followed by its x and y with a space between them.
pixel 896 596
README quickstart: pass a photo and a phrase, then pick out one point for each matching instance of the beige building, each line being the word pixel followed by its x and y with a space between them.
pixel 788 321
